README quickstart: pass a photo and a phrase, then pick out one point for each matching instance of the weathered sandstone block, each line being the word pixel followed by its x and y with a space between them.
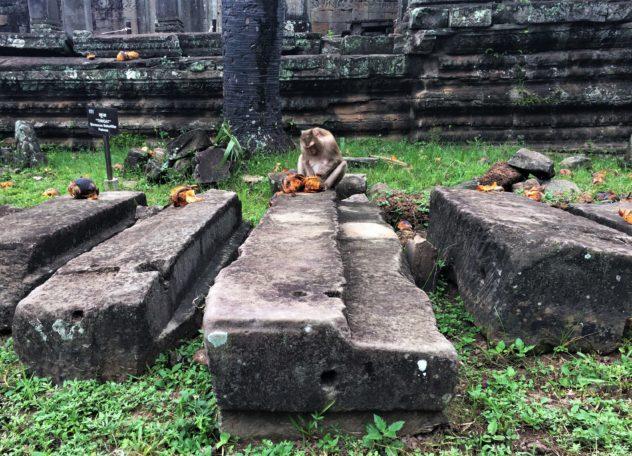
pixel 35 242
pixel 604 214
pixel 308 315
pixel 109 312
pixel 528 270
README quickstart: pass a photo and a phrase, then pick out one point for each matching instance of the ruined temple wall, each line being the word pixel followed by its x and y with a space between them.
pixel 107 15
pixel 14 16
pixel 540 72
pixel 548 74
pixel 352 95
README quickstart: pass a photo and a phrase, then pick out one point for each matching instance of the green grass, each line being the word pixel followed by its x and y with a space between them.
pixel 431 165
pixel 508 400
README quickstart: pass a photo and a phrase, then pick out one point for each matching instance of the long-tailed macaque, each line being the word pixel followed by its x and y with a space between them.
pixel 320 156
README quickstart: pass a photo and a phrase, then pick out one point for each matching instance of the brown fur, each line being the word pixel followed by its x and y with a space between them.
pixel 320 156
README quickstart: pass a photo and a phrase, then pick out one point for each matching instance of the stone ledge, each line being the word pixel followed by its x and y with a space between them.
pixel 109 312
pixel 604 214
pixel 35 242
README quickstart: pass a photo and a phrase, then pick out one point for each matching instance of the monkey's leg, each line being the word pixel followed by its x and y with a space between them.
pixel 304 167
pixel 336 175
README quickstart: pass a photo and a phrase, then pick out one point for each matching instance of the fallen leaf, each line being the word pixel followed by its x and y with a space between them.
pixel 490 188
pixel 534 194
pixel 119 166
pixel 394 158
pixel 566 172
pixel 438 159
pixel 607 196
pixel 51 193
pixel 599 177
pixel 626 214
pixel 404 225
pixel 7 184
pixel 276 168
pixel 37 178
pixel 585 198
pixel 91 56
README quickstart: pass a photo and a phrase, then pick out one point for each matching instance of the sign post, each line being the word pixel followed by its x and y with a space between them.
pixel 104 122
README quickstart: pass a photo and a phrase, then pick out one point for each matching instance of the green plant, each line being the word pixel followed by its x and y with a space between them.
pixel 226 138
pixel 380 435
pixel 517 349
pixel 309 428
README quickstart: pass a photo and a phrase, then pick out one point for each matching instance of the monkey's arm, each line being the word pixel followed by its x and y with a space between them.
pixel 304 167
pixel 336 175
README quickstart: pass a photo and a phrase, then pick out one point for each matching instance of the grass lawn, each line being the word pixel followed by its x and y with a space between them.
pixel 508 401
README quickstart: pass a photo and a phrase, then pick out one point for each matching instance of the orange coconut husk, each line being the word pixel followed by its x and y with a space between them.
pixel 293 183
pixel 314 184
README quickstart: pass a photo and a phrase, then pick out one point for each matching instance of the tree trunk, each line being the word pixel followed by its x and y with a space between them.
pixel 628 154
pixel 252 32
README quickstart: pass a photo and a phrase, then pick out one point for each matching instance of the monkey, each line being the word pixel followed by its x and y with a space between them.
pixel 320 156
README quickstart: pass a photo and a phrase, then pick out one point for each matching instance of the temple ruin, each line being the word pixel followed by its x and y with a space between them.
pixel 553 74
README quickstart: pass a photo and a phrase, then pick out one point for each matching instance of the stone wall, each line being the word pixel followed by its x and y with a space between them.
pixel 540 71
pixel 339 16
pixel 14 16
pixel 550 74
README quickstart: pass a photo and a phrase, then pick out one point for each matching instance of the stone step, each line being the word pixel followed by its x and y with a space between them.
pixel 604 214
pixel 527 270
pixel 35 242
pixel 319 308
pixel 109 312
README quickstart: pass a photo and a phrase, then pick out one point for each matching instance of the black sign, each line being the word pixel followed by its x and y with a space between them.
pixel 102 121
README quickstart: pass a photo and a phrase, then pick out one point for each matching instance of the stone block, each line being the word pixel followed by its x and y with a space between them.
pixel 35 242
pixel 109 312
pixel 307 316
pixel 351 184
pixel 53 44
pixel 200 44
pixel 147 45
pixel 210 166
pixel 422 258
pixel 604 214
pixel 357 44
pixel 471 16
pixel 530 161
pixel 527 270
pixel 428 18
pixel 576 162
pixel 301 44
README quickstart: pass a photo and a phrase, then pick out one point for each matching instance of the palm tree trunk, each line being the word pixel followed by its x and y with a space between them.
pixel 252 32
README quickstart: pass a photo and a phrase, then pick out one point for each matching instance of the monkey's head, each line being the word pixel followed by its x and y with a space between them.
pixel 309 139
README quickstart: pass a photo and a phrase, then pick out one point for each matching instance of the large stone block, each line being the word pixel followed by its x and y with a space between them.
pixel 604 214
pixel 35 242
pixel 307 317
pixel 528 270
pixel 109 312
